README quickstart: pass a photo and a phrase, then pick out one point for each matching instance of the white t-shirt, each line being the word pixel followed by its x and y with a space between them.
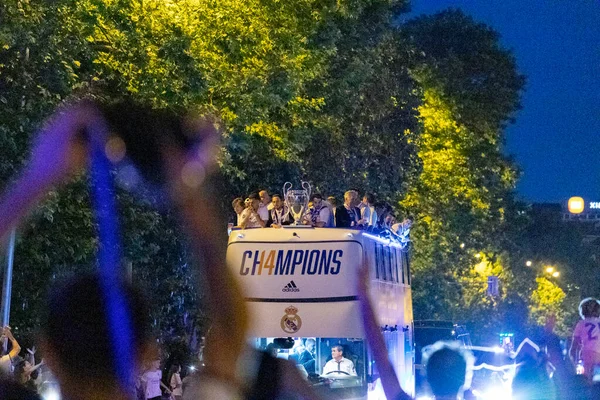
pixel 344 365
pixel 176 383
pixel 370 215
pixel 252 221
pixel 324 216
pixel 588 330
pixel 263 212
pixel 152 380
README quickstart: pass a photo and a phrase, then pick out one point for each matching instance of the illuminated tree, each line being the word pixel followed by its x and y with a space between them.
pixel 471 89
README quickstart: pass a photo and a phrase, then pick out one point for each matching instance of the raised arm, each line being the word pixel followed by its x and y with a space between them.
pixel 576 345
pixel 389 379
pixel 226 304
pixel 16 348
pixel 58 151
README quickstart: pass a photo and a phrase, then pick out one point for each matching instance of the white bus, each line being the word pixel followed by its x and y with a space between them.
pixel 300 285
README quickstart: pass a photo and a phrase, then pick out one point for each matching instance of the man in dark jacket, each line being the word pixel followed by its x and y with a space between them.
pixel 347 215
pixel 279 214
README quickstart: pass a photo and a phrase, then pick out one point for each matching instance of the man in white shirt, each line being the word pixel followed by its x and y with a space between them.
pixel 368 212
pixel 338 364
pixel 265 205
pixel 250 217
pixel 6 360
pixel 319 213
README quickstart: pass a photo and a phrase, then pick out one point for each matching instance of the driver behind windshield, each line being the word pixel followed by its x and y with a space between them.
pixel 339 364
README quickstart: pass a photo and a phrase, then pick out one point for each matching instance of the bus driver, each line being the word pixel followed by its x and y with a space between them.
pixel 339 364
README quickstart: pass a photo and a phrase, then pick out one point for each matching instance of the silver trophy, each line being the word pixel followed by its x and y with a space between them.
pixel 296 201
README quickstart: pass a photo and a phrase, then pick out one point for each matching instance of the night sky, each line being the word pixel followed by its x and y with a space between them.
pixel 556 138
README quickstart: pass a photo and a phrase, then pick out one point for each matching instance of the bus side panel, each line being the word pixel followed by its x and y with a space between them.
pixel 391 297
pixel 339 319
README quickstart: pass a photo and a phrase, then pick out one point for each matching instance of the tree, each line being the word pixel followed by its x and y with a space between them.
pixel 471 89
pixel 260 66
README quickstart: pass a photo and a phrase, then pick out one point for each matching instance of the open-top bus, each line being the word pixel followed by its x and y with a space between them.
pixel 300 285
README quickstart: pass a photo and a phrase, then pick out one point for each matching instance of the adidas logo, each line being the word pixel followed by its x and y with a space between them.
pixel 290 287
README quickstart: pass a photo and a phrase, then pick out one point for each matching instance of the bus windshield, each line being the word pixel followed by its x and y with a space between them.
pixel 335 367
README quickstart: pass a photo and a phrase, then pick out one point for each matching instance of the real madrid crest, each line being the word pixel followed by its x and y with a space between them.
pixel 291 321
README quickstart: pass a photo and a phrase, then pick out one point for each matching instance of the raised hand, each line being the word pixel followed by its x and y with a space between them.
pixel 8 332
pixel 61 146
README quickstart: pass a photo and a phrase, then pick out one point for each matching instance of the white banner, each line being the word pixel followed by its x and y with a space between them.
pixel 296 270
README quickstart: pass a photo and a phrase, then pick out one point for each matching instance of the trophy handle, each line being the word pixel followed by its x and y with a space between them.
pixel 286 186
pixel 306 186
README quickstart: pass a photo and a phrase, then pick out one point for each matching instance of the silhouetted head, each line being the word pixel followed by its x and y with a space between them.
pixel 449 368
pixel 589 308
pixel 76 335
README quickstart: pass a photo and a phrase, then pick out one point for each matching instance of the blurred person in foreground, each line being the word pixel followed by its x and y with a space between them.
pixel 532 378
pixel 77 341
pixel 176 154
pixel 449 368
pixel 74 332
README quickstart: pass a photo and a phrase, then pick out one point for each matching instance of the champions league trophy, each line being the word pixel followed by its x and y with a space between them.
pixel 296 201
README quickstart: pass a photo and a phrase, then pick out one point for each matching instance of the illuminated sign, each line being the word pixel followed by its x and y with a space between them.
pixel 595 205
pixel 576 205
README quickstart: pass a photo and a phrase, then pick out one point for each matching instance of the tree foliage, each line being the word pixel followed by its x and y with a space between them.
pixel 334 92
pixel 471 89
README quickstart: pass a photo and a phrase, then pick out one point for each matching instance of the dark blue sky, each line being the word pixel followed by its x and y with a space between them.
pixel 556 139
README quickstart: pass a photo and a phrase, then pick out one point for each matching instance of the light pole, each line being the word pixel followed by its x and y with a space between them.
pixel 7 285
pixel 7 280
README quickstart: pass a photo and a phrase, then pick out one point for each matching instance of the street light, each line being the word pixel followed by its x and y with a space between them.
pixel 528 263
pixel 550 270
pixel 556 274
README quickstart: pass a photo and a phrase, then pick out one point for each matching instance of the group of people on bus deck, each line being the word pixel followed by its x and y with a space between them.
pixel 260 210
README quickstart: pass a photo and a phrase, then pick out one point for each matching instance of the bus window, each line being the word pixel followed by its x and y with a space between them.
pixel 386 262
pixel 400 266
pixel 335 367
pixel 377 261
pixel 407 267
pixel 388 265
pixel 383 269
pixel 393 264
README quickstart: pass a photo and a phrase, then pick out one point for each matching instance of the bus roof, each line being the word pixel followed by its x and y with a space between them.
pixel 310 234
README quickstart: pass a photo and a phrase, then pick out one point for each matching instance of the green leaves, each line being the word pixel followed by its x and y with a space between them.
pixel 333 92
